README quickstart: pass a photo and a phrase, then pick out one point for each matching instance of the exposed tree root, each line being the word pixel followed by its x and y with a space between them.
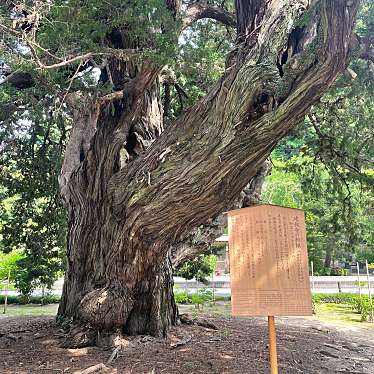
pixel 185 318
pixel 79 337
pixel 183 341
pixel 94 369
pixel 114 355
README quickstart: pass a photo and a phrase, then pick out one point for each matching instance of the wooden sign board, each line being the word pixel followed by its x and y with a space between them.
pixel 268 262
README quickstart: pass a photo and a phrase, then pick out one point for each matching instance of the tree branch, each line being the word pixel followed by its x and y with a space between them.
pixel 124 54
pixel 202 162
pixel 201 9
pixel 249 14
pixel 117 95
pixel 200 239
pixel 136 86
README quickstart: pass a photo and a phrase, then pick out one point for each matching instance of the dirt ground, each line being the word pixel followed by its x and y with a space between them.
pixel 31 345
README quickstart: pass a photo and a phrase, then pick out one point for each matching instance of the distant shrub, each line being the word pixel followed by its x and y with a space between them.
pixel 360 305
pixel 11 299
pixel 197 298
pixel 46 299
pixel 334 298
pixel 361 283
pixel 182 297
pixel 339 272
pixel 322 271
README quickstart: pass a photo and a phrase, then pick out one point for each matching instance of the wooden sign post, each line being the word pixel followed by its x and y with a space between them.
pixel 272 345
pixel 269 266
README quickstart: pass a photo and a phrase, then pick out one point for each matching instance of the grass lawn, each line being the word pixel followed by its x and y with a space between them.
pixel 28 310
pixel 217 308
pixel 340 314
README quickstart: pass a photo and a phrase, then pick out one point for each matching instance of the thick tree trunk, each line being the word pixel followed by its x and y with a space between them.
pixel 113 287
pixel 111 284
pixel 131 201
pixel 154 309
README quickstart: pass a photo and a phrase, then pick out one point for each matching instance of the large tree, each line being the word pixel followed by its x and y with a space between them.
pixel 141 191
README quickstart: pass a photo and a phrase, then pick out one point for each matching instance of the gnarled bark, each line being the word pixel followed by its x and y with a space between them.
pixel 109 283
pixel 200 239
pixel 126 216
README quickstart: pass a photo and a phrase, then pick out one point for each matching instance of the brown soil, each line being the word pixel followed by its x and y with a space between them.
pixel 31 345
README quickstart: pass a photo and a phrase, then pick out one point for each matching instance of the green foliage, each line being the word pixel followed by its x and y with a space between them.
pixel 363 306
pixel 32 219
pixel 334 298
pixel 361 283
pixel 9 265
pixel 365 19
pixel 25 274
pixel 339 272
pixel 364 255
pixel 320 270
pixel 40 274
pixel 282 187
pixel 199 268
pixel 202 296
pixel 182 297
pixel 74 27
pixel 332 228
pixel 200 63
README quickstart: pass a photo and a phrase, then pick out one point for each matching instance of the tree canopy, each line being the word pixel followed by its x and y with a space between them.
pixel 325 166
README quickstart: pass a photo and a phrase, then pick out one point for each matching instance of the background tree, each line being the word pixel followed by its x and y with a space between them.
pixel 200 268
pixel 332 234
pixel 326 165
pixel 138 188
pixel 32 217
pixel 9 267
